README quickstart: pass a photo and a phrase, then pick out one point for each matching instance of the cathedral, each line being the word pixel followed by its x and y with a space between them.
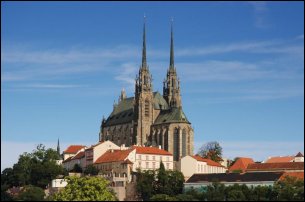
pixel 149 118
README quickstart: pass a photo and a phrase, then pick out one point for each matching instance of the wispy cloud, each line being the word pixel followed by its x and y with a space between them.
pixel 127 75
pixel 260 13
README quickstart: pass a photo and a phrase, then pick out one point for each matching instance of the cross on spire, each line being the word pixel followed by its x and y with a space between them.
pixel 144 62
pixel 171 63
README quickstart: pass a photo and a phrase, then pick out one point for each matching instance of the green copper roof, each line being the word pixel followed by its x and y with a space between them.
pixel 123 112
pixel 174 115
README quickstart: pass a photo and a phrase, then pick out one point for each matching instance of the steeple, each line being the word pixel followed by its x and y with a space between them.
pixel 171 63
pixel 144 62
pixel 58 148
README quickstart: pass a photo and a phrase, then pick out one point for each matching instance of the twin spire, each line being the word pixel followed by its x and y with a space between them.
pixel 144 61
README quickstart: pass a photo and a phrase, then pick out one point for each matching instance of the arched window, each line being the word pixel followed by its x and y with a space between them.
pixel 184 145
pixel 146 108
pixel 176 145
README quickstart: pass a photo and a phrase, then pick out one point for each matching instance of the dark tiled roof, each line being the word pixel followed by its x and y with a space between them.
pixel 299 155
pixel 174 115
pixel 275 166
pixel 123 112
pixel 235 177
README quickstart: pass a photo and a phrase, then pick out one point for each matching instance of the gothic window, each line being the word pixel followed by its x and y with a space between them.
pixel 166 141
pixel 176 144
pixel 160 139
pixel 146 108
pixel 188 145
pixel 184 142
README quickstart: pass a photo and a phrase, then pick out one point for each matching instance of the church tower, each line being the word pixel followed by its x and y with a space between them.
pixel 143 107
pixel 171 85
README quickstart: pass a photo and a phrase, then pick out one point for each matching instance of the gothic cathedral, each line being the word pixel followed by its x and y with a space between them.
pixel 149 118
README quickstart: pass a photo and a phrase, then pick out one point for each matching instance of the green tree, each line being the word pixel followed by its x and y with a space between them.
pixel 146 184
pixel 290 189
pixel 211 150
pixel 91 170
pixel 175 182
pixel 77 168
pixel 31 193
pixel 86 189
pixel 162 197
pixel 215 192
pixel 162 180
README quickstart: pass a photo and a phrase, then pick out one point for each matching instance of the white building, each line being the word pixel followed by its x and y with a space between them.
pixel 190 165
pixel 72 150
pixel 79 159
pixel 59 183
pixel 95 151
pixel 121 163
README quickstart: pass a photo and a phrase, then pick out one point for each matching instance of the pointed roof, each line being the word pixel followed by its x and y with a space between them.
pixel 279 159
pixel 144 62
pixel 208 161
pixel 114 156
pixel 299 155
pixel 73 149
pixel 171 63
pixel 241 164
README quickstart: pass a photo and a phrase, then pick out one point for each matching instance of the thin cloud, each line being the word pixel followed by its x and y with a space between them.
pixel 260 13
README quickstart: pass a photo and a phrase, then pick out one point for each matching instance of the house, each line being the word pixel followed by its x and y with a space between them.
pixel 72 150
pixel 79 159
pixel 190 165
pixel 276 167
pixel 95 151
pixel 200 181
pixel 299 157
pixel 241 164
pixel 120 164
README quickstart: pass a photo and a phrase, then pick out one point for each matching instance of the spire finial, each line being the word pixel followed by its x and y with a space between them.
pixel 171 63
pixel 144 63
pixel 58 148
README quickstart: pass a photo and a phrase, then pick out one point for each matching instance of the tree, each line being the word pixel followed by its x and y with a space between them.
pixel 175 182
pixel 91 170
pixel 215 192
pixel 211 150
pixel 31 193
pixel 37 168
pixel 86 189
pixel 162 180
pixel 145 184
pixel 162 197
pixel 77 168
pixel 290 189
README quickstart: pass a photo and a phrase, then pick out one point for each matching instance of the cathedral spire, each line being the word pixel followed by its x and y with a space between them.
pixel 171 63
pixel 144 63
pixel 58 148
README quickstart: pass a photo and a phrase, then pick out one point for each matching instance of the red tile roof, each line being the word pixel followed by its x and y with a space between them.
pixel 150 150
pixel 79 155
pixel 298 175
pixel 73 149
pixel 113 156
pixel 279 159
pixel 241 164
pixel 276 166
pixel 208 161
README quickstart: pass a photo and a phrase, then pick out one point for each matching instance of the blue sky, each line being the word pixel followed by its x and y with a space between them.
pixel 241 66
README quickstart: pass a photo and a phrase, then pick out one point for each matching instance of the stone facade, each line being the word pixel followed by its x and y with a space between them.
pixel 150 118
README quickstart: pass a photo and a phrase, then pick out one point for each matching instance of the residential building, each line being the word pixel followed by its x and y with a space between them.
pixel 190 165
pixel 200 181
pixel 72 150
pixel 95 151
pixel 241 164
pixel 276 167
